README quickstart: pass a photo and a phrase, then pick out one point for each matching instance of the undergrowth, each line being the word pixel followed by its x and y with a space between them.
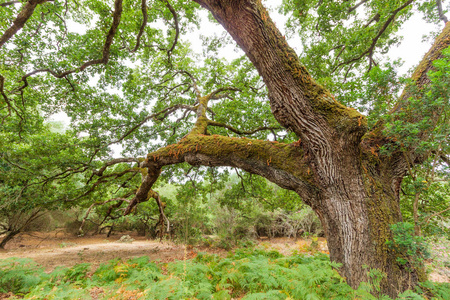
pixel 245 274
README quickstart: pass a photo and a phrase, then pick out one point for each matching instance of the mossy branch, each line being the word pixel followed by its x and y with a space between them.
pixel 283 164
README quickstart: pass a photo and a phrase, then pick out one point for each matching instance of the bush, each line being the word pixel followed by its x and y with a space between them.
pixel 73 227
pixel 409 247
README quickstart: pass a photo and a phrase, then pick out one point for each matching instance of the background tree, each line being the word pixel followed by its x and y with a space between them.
pixel 128 68
pixel 27 187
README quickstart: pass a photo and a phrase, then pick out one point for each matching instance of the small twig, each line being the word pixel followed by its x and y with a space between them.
pixel 357 5
pixel 176 26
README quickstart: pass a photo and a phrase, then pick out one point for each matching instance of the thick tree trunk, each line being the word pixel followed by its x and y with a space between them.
pixel 356 219
pixel 334 167
pixel 354 192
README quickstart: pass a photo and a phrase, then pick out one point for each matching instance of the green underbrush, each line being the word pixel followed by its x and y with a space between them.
pixel 243 274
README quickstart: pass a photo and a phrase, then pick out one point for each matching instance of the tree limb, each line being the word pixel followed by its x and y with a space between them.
pixel 445 159
pixel 371 48
pixel 144 23
pixel 86 215
pixel 176 26
pixel 7 101
pixel 427 219
pixel 165 113
pixel 23 16
pixel 114 162
pixel 215 95
pixel 268 159
pixel 442 16
pixel 357 5
pixel 4 4
pixel 105 52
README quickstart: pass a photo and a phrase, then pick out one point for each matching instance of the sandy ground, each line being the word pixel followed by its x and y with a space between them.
pixel 52 250
pixel 59 249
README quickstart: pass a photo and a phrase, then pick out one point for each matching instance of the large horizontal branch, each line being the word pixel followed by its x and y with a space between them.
pixel 25 13
pixel 283 164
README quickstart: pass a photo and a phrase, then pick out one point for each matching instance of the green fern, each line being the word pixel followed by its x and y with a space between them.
pixel 248 273
pixel 19 275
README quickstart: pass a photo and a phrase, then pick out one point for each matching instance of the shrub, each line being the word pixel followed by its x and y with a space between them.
pixel 409 247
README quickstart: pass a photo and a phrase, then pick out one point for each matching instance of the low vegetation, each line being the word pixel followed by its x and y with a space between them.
pixel 250 273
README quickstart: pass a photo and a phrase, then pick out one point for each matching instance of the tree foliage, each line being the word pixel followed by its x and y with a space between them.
pixel 128 76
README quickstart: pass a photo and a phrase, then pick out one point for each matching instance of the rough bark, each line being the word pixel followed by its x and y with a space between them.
pixel 330 132
pixel 354 192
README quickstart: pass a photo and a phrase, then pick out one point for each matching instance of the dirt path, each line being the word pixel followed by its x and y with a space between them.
pixel 51 251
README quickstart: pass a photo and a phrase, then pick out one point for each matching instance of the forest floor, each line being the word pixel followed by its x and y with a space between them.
pixel 54 249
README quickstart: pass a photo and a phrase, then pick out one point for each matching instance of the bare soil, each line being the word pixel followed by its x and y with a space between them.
pixel 51 250
pixel 54 249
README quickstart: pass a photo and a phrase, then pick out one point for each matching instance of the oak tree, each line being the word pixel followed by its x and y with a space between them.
pixel 127 76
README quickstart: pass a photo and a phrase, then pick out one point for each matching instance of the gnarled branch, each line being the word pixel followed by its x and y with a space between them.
pixel 23 16
pixel 283 164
